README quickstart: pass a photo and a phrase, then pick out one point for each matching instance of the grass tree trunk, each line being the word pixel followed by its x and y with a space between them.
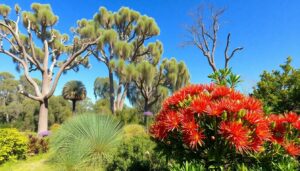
pixel 111 91
pixel 74 107
pixel 43 116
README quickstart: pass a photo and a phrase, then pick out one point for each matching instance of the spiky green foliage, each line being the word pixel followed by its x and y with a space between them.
pixel 74 91
pixel 85 141
pixel 280 90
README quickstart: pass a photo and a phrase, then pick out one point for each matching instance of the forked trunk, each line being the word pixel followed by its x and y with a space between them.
pixel 43 116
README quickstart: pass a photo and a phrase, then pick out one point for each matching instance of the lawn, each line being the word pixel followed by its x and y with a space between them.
pixel 36 163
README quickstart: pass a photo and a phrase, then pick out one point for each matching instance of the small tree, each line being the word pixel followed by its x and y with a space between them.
pixel 56 51
pixel 74 91
pixel 280 90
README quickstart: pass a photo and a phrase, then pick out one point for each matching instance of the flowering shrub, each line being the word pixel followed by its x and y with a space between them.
pixel 213 121
pixel 286 132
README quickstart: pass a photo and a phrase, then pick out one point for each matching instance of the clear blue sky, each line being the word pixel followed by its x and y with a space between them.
pixel 268 30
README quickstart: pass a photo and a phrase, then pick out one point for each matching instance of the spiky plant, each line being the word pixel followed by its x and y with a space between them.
pixel 74 91
pixel 85 141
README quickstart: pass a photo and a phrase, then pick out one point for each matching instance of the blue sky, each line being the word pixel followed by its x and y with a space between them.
pixel 268 30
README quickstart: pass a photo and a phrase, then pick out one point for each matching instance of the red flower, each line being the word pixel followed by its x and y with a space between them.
pixel 278 133
pixel 252 104
pixel 158 131
pixel 199 105
pixel 262 131
pixel 292 149
pixel 297 125
pixel 171 121
pixel 253 117
pixel 291 117
pixel 220 91
pixel 193 138
pixel 236 135
pixel 214 109
pixel 257 145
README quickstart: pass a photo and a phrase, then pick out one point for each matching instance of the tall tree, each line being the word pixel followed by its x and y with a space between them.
pixel 56 50
pixel 74 91
pixel 125 33
pixel 203 34
pixel 155 82
pixel 280 90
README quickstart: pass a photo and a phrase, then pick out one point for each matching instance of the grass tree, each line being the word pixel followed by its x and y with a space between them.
pixel 38 47
pixel 125 34
pixel 74 91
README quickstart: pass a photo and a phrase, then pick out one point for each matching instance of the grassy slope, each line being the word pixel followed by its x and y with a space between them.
pixel 37 163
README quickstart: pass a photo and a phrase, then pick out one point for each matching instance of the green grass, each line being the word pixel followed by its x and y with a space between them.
pixel 36 163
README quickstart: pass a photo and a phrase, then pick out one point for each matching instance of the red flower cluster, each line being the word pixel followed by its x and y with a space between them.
pixel 237 119
pixel 286 131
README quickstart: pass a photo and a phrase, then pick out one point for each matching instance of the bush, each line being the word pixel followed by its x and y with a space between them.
pixel 54 127
pixel 217 126
pixel 133 130
pixel 13 145
pixel 129 116
pixel 136 152
pixel 37 145
pixel 85 141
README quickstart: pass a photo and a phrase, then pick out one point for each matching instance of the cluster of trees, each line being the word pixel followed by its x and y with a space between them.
pixel 121 40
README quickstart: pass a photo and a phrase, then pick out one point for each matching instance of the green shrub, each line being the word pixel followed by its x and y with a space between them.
pixel 133 130
pixel 129 116
pixel 136 152
pixel 54 127
pixel 85 142
pixel 13 145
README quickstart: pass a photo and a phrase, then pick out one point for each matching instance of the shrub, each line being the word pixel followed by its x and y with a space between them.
pixel 133 130
pixel 85 141
pixel 136 152
pixel 13 145
pixel 129 116
pixel 37 145
pixel 212 124
pixel 54 127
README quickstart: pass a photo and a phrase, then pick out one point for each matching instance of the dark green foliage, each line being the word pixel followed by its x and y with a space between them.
pixel 13 145
pixel 280 90
pixel 136 152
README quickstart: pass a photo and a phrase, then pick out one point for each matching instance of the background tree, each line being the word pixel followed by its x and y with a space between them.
pixel 280 90
pixel 8 89
pixel 154 82
pixel 74 91
pixel 102 87
pixel 203 34
pixel 56 51
pixel 125 33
